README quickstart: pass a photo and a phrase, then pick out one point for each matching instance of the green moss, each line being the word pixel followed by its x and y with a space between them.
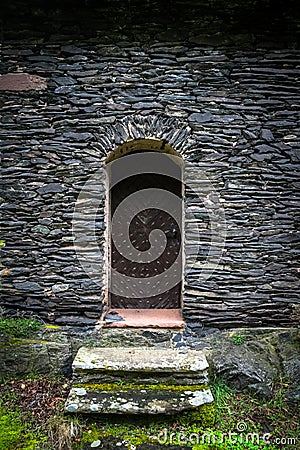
pixel 204 415
pixel 15 435
pixel 14 342
pixel 117 387
pixel 237 338
pixel 136 430
pixel 122 432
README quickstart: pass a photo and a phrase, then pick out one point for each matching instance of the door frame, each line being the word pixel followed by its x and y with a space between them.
pixel 138 145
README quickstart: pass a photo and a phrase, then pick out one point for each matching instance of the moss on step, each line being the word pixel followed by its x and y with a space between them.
pixel 131 398
pixel 115 387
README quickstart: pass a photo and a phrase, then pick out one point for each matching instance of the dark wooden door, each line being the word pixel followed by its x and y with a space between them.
pixel 139 229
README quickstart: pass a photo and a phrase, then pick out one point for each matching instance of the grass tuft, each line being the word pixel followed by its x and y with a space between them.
pixel 19 327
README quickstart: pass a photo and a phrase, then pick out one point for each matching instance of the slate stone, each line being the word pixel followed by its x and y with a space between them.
pixel 264 148
pixel 64 89
pixel 60 287
pixel 79 137
pixel 41 229
pixel 261 156
pixel 200 117
pixel 42 58
pixel 71 49
pixel 177 337
pixel 64 81
pixel 85 74
pixel 44 352
pixel 80 321
pixel 27 286
pixel 19 271
pixel 113 317
pixel 267 135
pixel 51 188
pixel 56 233
pixel 149 105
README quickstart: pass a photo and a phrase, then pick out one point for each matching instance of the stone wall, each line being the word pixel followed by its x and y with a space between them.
pixel 226 100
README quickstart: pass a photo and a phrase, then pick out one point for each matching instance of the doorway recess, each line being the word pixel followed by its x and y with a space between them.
pixel 144 211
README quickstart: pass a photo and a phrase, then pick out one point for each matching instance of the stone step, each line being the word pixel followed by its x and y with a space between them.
pixel 139 359
pixel 147 364
pixel 138 380
pixel 139 399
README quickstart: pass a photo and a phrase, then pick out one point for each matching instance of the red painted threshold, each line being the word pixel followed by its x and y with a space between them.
pixel 144 318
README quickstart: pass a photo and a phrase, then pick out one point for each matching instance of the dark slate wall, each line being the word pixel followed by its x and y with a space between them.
pixel 226 98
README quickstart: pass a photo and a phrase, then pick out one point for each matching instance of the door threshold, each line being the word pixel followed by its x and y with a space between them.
pixel 144 318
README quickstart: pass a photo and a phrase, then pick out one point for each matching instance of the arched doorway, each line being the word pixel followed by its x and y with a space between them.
pixel 145 223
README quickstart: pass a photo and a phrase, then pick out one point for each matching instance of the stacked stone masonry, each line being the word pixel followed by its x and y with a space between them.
pixel 230 110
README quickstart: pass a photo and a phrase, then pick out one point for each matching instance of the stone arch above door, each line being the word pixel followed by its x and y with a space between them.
pixel 137 145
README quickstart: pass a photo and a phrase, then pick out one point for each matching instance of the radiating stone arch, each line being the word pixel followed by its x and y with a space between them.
pixel 172 131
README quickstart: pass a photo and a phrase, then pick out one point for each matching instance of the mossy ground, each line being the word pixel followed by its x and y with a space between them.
pixel 16 434
pixel 24 427
pixel 26 410
pixel 254 424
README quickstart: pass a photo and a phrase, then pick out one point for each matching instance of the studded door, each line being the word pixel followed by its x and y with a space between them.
pixel 139 228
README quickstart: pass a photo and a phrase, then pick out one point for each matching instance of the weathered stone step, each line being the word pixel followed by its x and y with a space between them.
pixel 146 364
pixel 139 359
pixel 139 399
pixel 138 380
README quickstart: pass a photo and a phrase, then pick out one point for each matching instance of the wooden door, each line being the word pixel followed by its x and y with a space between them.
pixel 139 229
